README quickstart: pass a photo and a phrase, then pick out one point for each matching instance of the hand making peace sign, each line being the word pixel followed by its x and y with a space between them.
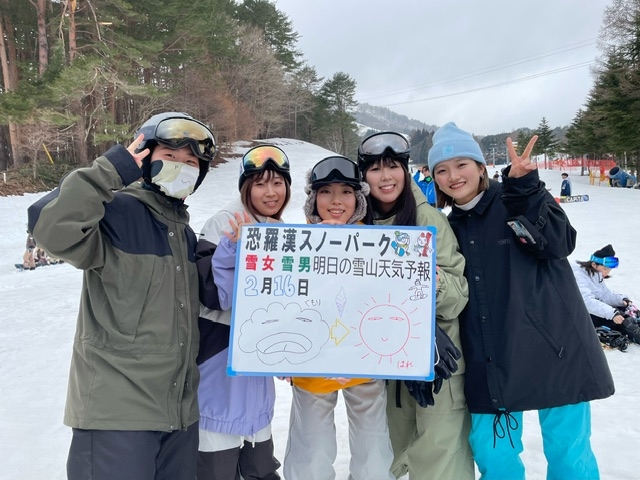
pixel 138 157
pixel 522 165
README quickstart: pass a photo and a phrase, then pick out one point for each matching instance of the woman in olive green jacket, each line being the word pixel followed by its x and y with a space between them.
pixel 429 441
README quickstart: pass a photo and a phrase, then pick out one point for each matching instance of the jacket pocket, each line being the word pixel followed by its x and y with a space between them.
pixel 542 330
pixel 126 285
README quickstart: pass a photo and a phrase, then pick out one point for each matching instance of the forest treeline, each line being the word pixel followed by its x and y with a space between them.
pixel 81 75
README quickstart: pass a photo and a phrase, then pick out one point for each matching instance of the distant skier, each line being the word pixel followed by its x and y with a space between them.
pixel 565 188
pixel 426 185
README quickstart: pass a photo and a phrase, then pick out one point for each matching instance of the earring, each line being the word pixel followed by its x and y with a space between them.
pixel 481 177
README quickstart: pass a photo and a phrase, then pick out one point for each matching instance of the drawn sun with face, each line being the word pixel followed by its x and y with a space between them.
pixel 385 329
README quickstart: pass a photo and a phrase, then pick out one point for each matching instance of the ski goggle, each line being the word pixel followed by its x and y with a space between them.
pixel 335 170
pixel 609 262
pixel 180 132
pixel 257 158
pixel 382 144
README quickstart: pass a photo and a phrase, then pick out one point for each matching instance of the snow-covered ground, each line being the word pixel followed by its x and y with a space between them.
pixel 39 308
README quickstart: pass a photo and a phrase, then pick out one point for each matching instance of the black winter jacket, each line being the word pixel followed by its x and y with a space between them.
pixel 527 337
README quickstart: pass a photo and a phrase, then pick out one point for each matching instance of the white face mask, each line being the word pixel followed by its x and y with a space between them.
pixel 175 179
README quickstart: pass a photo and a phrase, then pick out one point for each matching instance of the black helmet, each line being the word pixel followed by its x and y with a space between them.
pixel 177 130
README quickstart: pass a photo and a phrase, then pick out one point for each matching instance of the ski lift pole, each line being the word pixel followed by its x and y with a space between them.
pixel 47 152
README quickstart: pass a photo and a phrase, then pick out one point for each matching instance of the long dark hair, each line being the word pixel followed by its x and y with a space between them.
pixel 405 208
pixel 267 174
pixel 588 266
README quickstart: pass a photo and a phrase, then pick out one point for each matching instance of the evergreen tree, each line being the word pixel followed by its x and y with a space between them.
pixel 523 138
pixel 421 142
pixel 610 120
pixel 276 27
pixel 578 139
pixel 547 143
pixel 335 114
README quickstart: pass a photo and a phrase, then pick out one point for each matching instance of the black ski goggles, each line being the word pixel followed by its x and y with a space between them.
pixel 384 144
pixel 335 170
pixel 180 132
pixel 257 158
pixel 609 262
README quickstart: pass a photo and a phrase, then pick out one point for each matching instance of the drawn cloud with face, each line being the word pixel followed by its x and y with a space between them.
pixel 282 333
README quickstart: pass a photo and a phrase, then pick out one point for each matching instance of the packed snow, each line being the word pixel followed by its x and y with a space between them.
pixel 39 314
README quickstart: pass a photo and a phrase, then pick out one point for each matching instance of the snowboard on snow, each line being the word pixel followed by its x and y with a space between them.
pixel 20 267
pixel 573 199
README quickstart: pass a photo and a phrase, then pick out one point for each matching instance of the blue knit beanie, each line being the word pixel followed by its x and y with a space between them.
pixel 451 142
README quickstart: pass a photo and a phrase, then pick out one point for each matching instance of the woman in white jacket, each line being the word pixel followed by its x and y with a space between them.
pixel 606 307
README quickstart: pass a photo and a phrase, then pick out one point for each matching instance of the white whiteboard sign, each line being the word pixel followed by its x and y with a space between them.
pixel 334 301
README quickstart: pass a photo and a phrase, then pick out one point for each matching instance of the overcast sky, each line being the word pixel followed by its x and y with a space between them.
pixel 491 66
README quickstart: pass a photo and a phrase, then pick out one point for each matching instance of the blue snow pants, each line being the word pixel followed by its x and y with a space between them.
pixel 565 438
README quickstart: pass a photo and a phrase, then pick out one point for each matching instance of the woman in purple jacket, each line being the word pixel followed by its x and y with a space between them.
pixel 236 412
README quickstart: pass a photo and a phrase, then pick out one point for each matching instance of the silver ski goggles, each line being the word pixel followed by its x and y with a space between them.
pixel 180 132
pixel 384 144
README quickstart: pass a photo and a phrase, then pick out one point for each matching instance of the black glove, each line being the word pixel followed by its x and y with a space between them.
pixel 421 391
pixel 628 321
pixel 446 355
pixel 437 384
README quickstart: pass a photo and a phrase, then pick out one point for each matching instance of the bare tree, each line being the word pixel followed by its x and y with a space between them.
pixel 39 135
pixel 256 84
pixel 303 86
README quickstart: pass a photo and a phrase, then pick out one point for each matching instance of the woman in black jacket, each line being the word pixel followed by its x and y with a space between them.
pixel 526 335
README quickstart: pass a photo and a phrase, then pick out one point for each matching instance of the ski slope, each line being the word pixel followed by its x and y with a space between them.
pixel 39 308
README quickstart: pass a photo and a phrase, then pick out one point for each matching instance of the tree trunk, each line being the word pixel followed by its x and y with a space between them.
pixel 73 46
pixel 76 105
pixel 9 74
pixel 43 42
pixel 79 139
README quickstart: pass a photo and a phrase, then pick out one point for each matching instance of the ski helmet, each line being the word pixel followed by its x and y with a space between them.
pixel 177 130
